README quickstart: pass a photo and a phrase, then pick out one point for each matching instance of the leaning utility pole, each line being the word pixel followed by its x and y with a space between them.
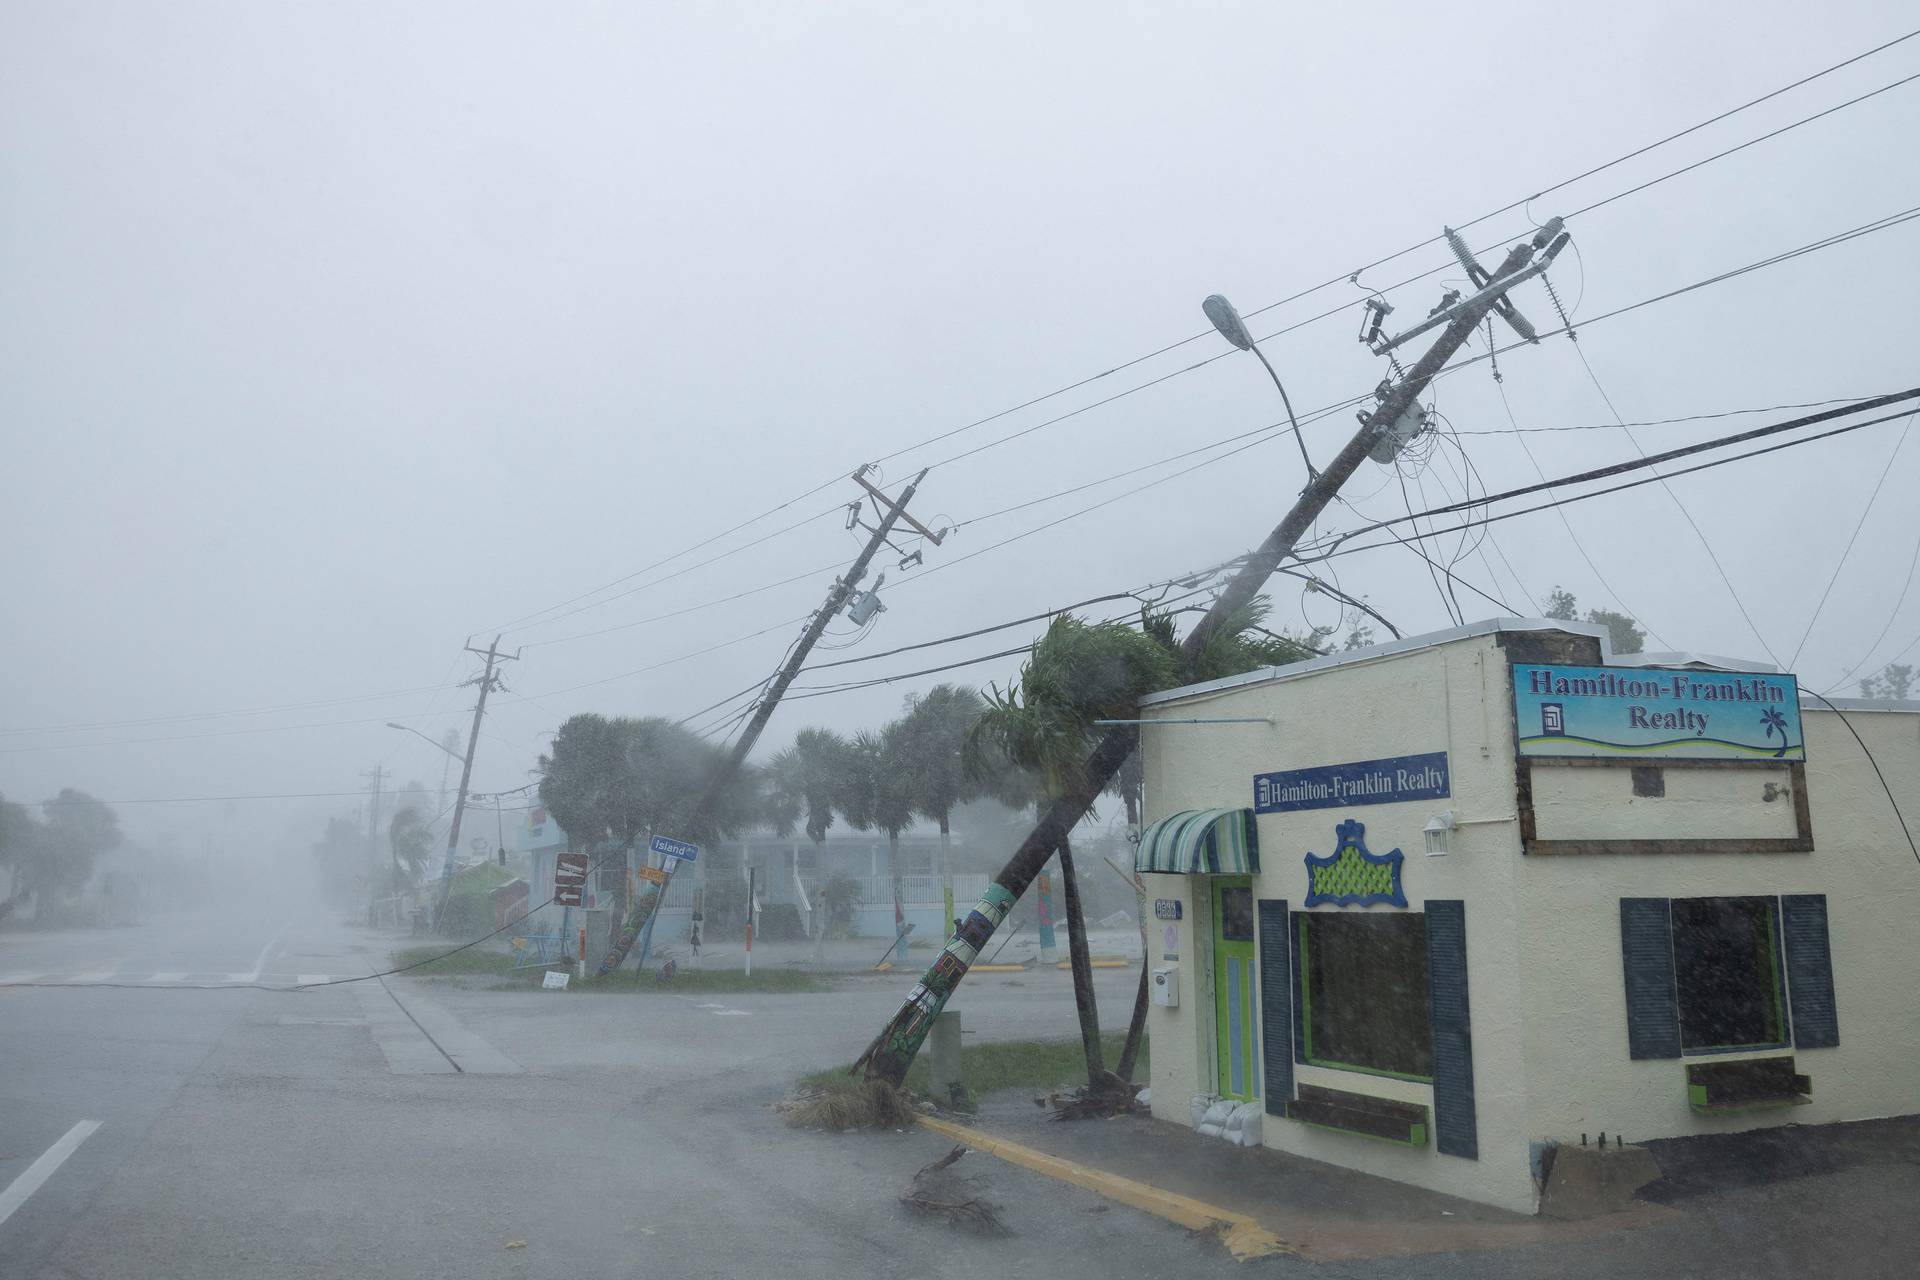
pixel 488 682
pixel 1395 417
pixel 894 511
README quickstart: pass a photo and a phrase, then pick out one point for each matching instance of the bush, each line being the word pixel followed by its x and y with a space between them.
pixel 781 923
pixel 840 896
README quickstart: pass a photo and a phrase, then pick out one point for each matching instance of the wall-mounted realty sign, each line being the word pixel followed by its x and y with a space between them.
pixel 1641 712
pixel 1336 786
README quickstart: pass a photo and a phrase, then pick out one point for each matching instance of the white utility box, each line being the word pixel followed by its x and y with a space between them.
pixel 1166 986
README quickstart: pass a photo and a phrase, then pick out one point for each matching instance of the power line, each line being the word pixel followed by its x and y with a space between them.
pixel 1725 579
pixel 648 586
pixel 1846 551
pixel 692 608
pixel 1164 349
pixel 1912 563
pixel 187 717
pixel 1338 550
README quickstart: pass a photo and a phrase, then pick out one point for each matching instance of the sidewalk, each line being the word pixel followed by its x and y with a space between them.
pixel 1319 1211
pixel 1729 1204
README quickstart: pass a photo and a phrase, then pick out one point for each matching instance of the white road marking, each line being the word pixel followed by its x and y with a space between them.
pixel 40 1170
pixel 238 977
pixel 265 951
pixel 733 1013
pixel 13 978
pixel 104 976
pixel 312 979
pixel 169 977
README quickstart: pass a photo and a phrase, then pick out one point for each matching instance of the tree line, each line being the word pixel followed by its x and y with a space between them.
pixel 51 857
pixel 608 781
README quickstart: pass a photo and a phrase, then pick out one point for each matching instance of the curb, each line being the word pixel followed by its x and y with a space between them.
pixel 1244 1238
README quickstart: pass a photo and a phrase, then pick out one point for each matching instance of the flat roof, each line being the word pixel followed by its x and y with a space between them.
pixel 1493 626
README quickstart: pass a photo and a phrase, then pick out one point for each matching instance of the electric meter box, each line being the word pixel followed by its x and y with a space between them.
pixel 1166 986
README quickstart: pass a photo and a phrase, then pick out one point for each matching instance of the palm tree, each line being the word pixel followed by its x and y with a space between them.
pixel 877 791
pixel 937 723
pixel 1078 673
pixel 412 845
pixel 802 782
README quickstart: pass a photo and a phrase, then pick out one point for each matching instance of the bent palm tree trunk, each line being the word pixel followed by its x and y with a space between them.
pixel 1082 963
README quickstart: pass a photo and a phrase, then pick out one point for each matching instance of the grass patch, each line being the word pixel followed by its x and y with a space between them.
pixel 498 964
pixel 472 960
pixel 1007 1064
pixel 687 982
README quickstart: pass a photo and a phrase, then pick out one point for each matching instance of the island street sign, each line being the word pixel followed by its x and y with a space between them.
pixel 569 875
pixel 1337 786
pixel 1654 712
pixel 668 847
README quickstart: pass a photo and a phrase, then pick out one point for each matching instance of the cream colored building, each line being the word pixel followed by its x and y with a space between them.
pixel 1613 933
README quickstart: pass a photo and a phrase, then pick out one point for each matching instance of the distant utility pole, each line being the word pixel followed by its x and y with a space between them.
pixel 892 511
pixel 488 681
pixel 1396 419
pixel 374 778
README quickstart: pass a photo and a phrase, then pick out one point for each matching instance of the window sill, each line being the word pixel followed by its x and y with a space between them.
pixel 1755 1084
pixel 1383 1120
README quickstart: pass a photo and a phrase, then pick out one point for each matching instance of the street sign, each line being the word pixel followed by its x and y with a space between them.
pixel 569 876
pixel 671 848
pixel 654 874
pixel 555 981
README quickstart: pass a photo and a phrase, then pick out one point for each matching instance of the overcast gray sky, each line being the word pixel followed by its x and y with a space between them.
pixel 334 334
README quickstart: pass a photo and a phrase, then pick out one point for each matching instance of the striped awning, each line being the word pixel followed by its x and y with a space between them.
pixel 1201 842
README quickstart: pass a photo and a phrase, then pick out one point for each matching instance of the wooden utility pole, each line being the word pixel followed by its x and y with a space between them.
pixel 893 512
pixel 893 1050
pixel 488 682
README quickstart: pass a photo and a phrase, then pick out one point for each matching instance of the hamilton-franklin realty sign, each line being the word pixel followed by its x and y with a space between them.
pixel 1336 786
pixel 1641 712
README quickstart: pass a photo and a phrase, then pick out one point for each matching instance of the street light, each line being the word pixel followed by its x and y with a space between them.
pixel 1234 330
pixel 424 738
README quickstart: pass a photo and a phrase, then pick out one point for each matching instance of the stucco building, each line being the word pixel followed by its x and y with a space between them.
pixel 1434 907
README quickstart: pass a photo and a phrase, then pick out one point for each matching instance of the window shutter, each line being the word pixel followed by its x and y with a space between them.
pixel 1646 951
pixel 1455 1121
pixel 1299 997
pixel 1276 1005
pixel 1816 1019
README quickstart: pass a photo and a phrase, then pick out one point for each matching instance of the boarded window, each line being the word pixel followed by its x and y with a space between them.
pixel 1364 993
pixel 1727 973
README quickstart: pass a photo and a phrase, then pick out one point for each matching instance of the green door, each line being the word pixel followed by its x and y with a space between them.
pixel 1233 995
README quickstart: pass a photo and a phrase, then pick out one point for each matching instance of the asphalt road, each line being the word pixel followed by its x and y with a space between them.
pixel 323 1131
pixel 416 1128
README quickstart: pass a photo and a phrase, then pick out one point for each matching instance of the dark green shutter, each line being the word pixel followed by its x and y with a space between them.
pixel 1816 1019
pixel 1646 952
pixel 1455 1121
pixel 1299 997
pixel 1276 1005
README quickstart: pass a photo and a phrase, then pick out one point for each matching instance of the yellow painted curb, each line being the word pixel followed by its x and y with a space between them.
pixel 1245 1239
pixel 998 968
pixel 1102 962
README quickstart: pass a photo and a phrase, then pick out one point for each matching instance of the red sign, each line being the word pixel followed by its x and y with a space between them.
pixel 569 876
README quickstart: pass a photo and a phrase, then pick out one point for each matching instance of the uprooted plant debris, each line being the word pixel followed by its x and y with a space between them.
pixel 1107 1097
pixel 938 1191
pixel 870 1104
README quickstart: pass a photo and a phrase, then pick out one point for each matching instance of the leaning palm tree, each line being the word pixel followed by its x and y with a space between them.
pixel 1042 724
pixel 802 783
